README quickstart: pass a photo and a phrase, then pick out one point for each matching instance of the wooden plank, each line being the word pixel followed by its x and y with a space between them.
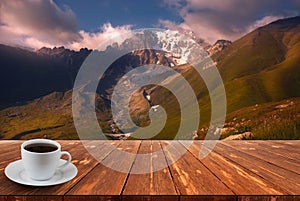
pixel 141 164
pixel 208 198
pixel 150 198
pixel 289 143
pixel 92 198
pixel 162 179
pixel 190 176
pixel 149 183
pixel 269 198
pixel 84 163
pixel 35 198
pixel 277 147
pixel 285 179
pixel 9 142
pixel 11 152
pixel 239 179
pixel 270 164
pixel 101 148
pixel 252 149
pixel 81 158
pixel 289 152
pixel 103 180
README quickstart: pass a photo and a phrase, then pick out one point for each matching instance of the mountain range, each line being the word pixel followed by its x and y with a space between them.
pixel 260 72
pixel 29 75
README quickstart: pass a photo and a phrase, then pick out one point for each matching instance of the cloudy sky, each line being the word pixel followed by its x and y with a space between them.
pixel 77 24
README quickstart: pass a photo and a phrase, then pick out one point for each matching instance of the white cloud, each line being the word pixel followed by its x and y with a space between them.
pixel 172 25
pixel 39 23
pixel 39 19
pixel 261 22
pixel 229 19
pixel 106 33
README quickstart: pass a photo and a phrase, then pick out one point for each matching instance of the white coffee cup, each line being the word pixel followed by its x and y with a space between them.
pixel 41 164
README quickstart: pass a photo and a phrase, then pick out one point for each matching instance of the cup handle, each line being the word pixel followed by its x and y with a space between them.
pixel 68 161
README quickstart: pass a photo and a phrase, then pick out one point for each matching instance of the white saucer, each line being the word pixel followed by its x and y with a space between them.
pixel 16 172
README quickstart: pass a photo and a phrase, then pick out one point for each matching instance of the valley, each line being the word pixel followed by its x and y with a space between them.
pixel 260 72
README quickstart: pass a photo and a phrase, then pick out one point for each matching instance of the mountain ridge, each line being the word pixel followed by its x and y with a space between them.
pixel 27 75
pixel 261 67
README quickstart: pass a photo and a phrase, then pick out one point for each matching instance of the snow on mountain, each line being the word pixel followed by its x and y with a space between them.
pixel 180 45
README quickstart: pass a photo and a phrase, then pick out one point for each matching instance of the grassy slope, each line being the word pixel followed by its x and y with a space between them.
pixel 269 74
pixel 272 120
pixel 49 117
pixel 262 67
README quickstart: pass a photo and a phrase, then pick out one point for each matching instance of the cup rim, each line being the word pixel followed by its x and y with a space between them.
pixel 28 142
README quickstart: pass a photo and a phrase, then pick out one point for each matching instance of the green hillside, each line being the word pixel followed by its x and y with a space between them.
pixel 262 66
pixel 272 120
pixel 261 77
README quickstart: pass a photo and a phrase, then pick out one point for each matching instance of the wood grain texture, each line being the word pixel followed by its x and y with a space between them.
pixel 149 183
pixel 106 181
pixel 35 198
pixel 234 170
pixel 190 175
pixel 288 149
pixel 239 179
pixel 284 179
pixel 268 198
pixel 84 163
pixel 92 198
pixel 150 198
pixel 270 154
pixel 10 151
pixel 208 198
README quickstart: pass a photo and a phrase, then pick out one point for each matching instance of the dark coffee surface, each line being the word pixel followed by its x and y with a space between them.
pixel 40 147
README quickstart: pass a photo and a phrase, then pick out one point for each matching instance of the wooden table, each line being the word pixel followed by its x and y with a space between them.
pixel 235 170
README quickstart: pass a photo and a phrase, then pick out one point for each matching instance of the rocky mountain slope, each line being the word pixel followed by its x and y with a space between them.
pixel 26 75
pixel 219 46
pixel 259 70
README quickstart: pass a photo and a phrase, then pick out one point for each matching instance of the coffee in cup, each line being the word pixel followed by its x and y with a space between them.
pixel 41 147
pixel 40 158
